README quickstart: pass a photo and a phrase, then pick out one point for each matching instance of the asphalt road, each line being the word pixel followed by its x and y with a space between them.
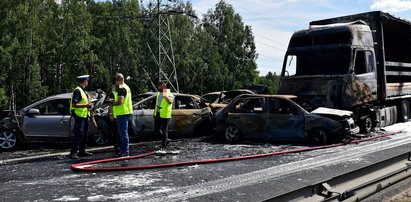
pixel 51 179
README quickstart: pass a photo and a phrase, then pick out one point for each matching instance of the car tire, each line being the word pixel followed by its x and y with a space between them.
pixel 366 125
pixel 8 140
pixel 102 137
pixel 318 136
pixel 232 134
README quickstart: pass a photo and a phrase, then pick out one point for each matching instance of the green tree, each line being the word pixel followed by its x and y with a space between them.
pixel 235 43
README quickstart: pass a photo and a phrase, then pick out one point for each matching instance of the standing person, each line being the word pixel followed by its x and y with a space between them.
pixel 80 109
pixel 162 112
pixel 122 110
pixel 113 124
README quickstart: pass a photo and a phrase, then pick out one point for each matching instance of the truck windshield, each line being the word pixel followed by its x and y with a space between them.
pixel 318 62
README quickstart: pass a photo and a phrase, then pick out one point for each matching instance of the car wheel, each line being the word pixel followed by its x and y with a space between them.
pixel 318 136
pixel 8 140
pixel 232 134
pixel 102 136
pixel 366 125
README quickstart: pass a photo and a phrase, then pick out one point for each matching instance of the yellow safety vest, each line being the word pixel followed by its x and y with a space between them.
pixel 165 107
pixel 127 106
pixel 82 112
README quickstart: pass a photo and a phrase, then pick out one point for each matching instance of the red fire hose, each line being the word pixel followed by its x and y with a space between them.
pixel 84 166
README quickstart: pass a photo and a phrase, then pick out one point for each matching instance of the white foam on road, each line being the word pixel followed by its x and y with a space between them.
pixel 346 153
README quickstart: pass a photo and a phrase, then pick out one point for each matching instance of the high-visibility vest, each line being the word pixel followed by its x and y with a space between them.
pixel 165 107
pixel 82 112
pixel 126 107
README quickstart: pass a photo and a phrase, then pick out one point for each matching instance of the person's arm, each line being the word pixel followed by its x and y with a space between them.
pixel 110 112
pixel 169 99
pixel 121 94
pixel 119 101
pixel 76 98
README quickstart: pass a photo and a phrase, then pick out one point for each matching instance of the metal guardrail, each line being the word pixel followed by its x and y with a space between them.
pixel 356 185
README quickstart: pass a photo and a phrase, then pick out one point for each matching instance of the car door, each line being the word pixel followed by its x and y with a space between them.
pixel 143 115
pixel 185 115
pixel 248 115
pixel 53 120
pixel 285 121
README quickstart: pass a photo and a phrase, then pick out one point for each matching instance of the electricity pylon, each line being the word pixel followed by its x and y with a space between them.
pixel 160 43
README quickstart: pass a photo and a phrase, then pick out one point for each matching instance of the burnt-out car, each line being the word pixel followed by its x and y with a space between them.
pixel 47 120
pixel 278 118
pixel 190 116
pixel 220 99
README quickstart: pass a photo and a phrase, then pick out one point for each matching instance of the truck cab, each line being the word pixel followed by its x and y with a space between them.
pixel 357 62
pixel 331 66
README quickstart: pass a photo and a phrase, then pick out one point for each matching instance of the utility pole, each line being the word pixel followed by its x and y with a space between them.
pixel 160 43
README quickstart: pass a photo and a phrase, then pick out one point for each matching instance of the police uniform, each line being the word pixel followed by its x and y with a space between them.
pixel 80 115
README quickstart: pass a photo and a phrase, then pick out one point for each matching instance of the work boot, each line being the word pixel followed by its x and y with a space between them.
pixel 85 153
pixel 74 156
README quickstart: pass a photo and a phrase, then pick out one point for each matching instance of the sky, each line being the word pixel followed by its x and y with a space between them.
pixel 274 21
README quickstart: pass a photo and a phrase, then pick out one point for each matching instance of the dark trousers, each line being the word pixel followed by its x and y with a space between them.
pixel 115 138
pixel 161 128
pixel 80 134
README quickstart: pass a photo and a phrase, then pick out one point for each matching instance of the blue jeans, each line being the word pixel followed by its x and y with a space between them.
pixel 122 128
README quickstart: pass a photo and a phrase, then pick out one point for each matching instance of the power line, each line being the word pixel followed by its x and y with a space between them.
pixel 266 56
pixel 282 51
pixel 266 18
pixel 270 39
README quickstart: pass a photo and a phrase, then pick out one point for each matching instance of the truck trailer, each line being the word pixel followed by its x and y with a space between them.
pixel 359 62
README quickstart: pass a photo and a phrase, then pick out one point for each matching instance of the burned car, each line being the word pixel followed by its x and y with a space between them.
pixel 190 117
pixel 47 120
pixel 220 99
pixel 278 118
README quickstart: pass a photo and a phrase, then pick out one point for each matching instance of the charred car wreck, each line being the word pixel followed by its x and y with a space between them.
pixel 190 117
pixel 278 118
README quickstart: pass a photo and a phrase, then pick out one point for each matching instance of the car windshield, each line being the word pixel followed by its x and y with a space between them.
pixel 319 62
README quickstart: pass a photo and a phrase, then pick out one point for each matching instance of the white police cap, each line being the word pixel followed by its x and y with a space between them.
pixel 83 77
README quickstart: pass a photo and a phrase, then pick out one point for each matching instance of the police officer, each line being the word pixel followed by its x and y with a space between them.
pixel 122 109
pixel 80 110
pixel 162 113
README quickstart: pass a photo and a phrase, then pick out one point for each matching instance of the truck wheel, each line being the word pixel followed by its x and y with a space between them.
pixel 232 134
pixel 404 112
pixel 317 136
pixel 8 140
pixel 366 125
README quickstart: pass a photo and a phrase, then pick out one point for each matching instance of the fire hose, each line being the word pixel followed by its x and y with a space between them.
pixel 86 165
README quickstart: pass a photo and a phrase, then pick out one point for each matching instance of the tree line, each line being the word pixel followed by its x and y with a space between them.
pixel 46 44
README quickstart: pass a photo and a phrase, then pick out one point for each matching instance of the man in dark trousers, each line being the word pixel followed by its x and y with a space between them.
pixel 122 109
pixel 80 110
pixel 162 112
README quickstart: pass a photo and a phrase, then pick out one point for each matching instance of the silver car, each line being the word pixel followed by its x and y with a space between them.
pixel 46 120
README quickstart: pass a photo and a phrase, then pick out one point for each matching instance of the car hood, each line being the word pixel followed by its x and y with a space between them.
pixel 323 111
